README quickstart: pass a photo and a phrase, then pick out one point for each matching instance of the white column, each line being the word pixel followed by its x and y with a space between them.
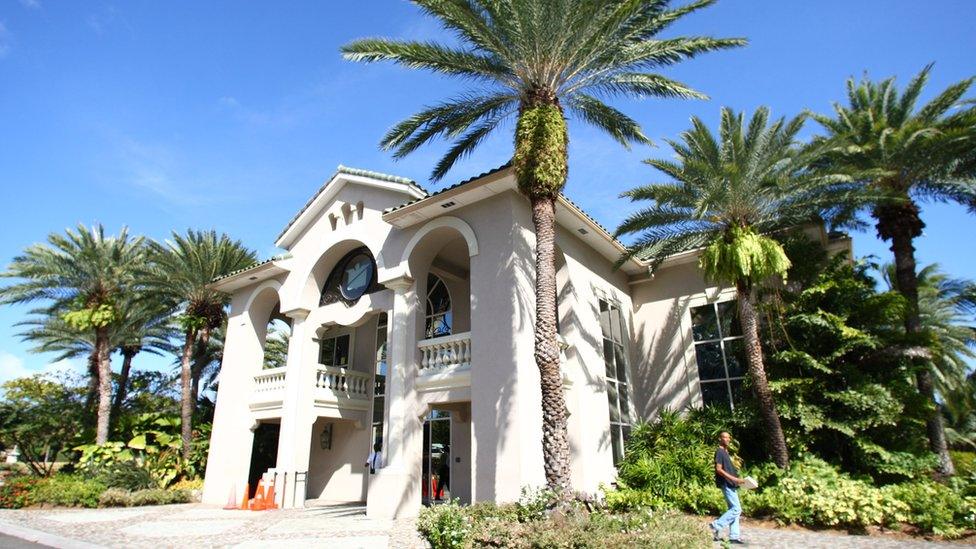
pixel 297 414
pixel 395 490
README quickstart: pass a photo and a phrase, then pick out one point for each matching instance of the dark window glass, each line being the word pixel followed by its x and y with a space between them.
pixel 612 396
pixel 378 404
pixel 616 443
pixel 327 355
pixel 608 357
pixel 335 351
pixel 709 357
pixel 438 317
pixel 738 390
pixel 618 353
pixel 728 313
pixel 715 393
pixel 704 325
pixel 735 357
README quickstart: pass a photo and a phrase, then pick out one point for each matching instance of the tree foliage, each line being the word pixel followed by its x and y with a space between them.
pixel 41 416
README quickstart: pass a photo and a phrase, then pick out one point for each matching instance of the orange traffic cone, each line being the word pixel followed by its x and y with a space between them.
pixel 231 503
pixel 258 504
pixel 247 490
pixel 269 498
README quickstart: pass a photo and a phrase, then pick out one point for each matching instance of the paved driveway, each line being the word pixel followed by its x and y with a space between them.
pixel 197 525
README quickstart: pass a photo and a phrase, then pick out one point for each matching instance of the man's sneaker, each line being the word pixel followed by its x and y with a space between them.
pixel 739 541
pixel 715 532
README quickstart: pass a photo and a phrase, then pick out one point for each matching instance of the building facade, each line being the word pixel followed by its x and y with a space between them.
pixel 408 321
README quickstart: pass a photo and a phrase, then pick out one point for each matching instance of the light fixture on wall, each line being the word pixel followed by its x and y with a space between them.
pixel 325 439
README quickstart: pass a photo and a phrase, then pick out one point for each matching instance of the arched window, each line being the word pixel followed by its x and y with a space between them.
pixel 353 276
pixel 437 318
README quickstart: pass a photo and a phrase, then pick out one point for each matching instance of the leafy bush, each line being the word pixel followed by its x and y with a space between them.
pixel 115 497
pixel 68 491
pixel 16 492
pixel 964 461
pixel 127 475
pixel 933 507
pixel 445 526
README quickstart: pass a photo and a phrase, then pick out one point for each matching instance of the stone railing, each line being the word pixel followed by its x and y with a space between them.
pixel 345 383
pixel 440 353
pixel 269 381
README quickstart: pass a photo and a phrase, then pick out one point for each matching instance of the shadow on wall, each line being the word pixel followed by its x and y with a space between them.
pixel 664 379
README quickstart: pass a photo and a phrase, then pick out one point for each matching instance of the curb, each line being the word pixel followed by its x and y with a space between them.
pixel 44 538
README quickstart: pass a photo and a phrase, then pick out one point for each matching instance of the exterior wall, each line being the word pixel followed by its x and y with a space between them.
pixel 338 474
pixel 590 277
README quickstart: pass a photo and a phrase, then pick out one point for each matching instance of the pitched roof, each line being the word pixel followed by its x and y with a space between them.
pixel 355 172
pixel 454 186
pixel 277 257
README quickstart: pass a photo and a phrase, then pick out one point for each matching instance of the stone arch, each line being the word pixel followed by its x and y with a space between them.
pixel 309 281
pixel 442 225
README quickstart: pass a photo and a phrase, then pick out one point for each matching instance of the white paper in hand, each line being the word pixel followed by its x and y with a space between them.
pixel 750 483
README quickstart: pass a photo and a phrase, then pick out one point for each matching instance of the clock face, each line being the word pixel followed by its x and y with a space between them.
pixel 356 276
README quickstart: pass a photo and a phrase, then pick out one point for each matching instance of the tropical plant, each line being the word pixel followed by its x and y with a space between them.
pixel 902 154
pixel 180 273
pixel 82 275
pixel 536 60
pixel 729 194
pixel 40 415
pixel 276 347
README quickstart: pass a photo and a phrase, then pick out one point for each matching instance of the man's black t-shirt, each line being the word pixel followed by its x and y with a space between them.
pixel 722 458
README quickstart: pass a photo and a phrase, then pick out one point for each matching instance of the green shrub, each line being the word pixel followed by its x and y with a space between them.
pixel 115 497
pixel 158 496
pixel 16 492
pixel 445 526
pixel 127 475
pixel 67 491
pixel 934 507
pixel 964 461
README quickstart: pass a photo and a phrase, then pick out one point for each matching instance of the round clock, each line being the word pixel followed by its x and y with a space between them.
pixel 356 276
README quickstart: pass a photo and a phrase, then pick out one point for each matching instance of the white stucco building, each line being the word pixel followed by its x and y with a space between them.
pixel 410 318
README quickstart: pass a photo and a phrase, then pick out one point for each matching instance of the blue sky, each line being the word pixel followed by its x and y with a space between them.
pixel 228 115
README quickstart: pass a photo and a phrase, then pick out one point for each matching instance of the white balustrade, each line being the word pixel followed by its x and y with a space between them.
pixel 440 353
pixel 343 382
pixel 269 380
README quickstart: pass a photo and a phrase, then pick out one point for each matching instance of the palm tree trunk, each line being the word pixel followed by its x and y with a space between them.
pixel 749 320
pixel 186 405
pixel 92 391
pixel 104 385
pixel 907 280
pixel 120 392
pixel 555 438
pixel 196 369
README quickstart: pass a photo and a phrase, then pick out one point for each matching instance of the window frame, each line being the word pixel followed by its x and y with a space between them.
pixel 449 313
pixel 383 328
pixel 722 340
pixel 625 420
pixel 335 333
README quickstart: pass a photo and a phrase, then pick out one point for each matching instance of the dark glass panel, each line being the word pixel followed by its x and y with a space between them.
pixel 608 356
pixel 327 355
pixel 378 404
pixel 709 358
pixel 615 442
pixel 612 398
pixel 715 393
pixel 738 391
pixel 615 329
pixel 735 357
pixel 703 323
pixel 342 351
pixel 605 319
pixel 624 402
pixel 728 314
pixel 618 353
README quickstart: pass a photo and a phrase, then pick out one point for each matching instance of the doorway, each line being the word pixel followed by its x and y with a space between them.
pixel 437 462
pixel 264 453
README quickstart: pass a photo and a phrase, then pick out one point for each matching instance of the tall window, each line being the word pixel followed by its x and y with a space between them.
pixel 719 351
pixel 437 316
pixel 379 380
pixel 618 388
pixel 334 351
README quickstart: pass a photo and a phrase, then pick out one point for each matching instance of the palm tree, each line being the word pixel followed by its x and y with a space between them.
pixel 904 154
pixel 946 306
pixel 82 275
pixel 536 60
pixel 145 325
pixel 728 194
pixel 180 273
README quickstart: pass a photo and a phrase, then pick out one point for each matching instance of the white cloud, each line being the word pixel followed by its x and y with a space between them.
pixel 31 4
pixel 13 367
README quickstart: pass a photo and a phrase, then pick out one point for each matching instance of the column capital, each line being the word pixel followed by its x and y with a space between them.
pixel 297 313
pixel 399 283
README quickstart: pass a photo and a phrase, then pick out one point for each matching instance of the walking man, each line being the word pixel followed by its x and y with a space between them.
pixel 375 459
pixel 727 479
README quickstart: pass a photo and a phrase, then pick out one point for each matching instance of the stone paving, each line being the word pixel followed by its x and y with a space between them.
pixel 196 525
pixel 338 527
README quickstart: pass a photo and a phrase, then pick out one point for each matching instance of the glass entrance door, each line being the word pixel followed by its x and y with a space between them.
pixel 436 482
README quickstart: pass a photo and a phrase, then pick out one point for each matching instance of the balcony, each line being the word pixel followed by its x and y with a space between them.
pixel 269 390
pixel 445 362
pixel 340 388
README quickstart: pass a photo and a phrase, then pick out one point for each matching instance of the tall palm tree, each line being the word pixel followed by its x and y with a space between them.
pixel 727 194
pixel 82 276
pixel 180 273
pixel 905 154
pixel 536 60
pixel 145 325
